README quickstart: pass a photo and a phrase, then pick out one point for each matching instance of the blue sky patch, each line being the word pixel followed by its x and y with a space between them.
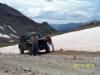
pixel 49 0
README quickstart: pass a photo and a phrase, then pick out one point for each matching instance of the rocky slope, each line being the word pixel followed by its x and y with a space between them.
pixel 13 23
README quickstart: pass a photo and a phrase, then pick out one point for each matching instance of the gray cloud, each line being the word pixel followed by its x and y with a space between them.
pixel 61 10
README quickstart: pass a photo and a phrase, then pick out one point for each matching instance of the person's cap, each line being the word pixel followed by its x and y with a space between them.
pixel 33 33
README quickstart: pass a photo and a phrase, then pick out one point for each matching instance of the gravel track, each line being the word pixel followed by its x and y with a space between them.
pixel 48 64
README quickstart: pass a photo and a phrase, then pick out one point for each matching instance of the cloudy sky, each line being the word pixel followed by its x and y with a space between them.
pixel 58 11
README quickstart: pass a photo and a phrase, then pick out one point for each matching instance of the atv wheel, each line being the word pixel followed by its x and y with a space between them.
pixel 47 49
pixel 30 50
pixel 21 51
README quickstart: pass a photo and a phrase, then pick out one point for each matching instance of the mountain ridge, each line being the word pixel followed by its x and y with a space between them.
pixel 66 27
pixel 13 23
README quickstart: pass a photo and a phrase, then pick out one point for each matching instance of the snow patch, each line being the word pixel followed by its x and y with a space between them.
pixel 12 29
pixel 14 35
pixel 10 50
pixel 1 27
pixel 84 40
pixel 4 35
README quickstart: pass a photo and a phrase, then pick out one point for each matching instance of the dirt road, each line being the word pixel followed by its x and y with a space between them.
pixel 49 64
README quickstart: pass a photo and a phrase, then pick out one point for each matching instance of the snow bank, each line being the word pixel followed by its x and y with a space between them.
pixel 10 50
pixel 84 40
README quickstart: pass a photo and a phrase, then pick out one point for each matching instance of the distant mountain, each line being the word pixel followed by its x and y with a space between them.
pixel 87 26
pixel 66 27
pixel 70 26
pixel 13 23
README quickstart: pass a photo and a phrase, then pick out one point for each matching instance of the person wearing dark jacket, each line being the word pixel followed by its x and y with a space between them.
pixel 49 41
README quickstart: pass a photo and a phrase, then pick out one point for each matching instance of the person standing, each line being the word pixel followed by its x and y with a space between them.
pixel 34 44
pixel 49 41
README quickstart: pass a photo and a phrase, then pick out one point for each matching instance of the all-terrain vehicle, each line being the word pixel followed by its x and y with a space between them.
pixel 25 44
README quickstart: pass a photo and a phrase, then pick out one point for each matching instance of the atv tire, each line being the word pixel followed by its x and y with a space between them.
pixel 30 50
pixel 47 49
pixel 21 51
